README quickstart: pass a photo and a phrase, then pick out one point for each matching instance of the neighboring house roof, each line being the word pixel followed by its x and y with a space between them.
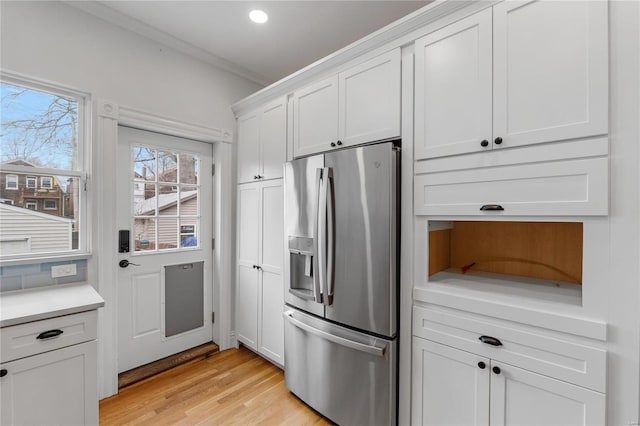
pixel 30 212
pixel 19 163
pixel 164 201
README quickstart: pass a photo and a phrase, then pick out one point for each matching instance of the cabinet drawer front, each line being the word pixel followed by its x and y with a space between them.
pixel 551 356
pixel 577 187
pixel 22 340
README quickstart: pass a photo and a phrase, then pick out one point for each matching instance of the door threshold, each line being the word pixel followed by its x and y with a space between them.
pixel 137 374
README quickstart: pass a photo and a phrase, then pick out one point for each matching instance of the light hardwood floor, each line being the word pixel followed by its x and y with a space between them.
pixel 231 387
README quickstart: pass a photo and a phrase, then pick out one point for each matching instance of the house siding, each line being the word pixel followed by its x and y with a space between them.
pixel 45 234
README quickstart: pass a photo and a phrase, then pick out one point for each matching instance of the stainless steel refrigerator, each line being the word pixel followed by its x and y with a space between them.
pixel 341 324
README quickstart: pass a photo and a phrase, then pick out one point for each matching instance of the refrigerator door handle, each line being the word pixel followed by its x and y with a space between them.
pixel 321 223
pixel 331 216
pixel 317 286
pixel 377 350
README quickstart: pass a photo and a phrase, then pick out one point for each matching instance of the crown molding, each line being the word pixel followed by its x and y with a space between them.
pixel 104 12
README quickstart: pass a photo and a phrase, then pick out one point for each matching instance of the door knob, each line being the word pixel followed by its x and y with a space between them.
pixel 124 263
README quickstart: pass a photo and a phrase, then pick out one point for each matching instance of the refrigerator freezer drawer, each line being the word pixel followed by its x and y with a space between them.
pixel 347 376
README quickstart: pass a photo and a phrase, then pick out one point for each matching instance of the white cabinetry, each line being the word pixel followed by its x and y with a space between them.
pixel 260 293
pixel 521 377
pixel 516 74
pixel 262 142
pixel 360 104
pixel 449 387
pixel 49 372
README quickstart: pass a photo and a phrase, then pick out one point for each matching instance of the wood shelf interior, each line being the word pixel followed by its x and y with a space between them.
pixel 543 250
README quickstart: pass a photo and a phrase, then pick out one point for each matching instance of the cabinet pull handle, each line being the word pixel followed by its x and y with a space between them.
pixel 3 372
pixel 498 140
pixel 492 208
pixel 339 142
pixel 496 370
pixel 333 144
pixel 490 340
pixel 49 334
pixel 484 143
pixel 482 365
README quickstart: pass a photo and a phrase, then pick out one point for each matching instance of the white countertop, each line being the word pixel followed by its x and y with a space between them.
pixel 32 305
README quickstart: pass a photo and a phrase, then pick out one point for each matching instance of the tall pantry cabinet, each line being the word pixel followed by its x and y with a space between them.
pixel 260 230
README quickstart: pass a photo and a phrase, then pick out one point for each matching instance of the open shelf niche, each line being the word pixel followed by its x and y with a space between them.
pixel 539 260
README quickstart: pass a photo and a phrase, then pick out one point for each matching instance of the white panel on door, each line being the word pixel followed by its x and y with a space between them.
pixel 249 211
pixel 272 321
pixel 273 226
pixel 247 306
pixel 550 70
pixel 147 297
pixel 453 88
pixel 369 108
pixel 273 139
pixel 520 397
pixel 315 117
pixel 248 147
pixel 450 386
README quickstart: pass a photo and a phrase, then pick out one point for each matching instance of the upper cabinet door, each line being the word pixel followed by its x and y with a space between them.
pixel 273 139
pixel 369 107
pixel 315 124
pixel 453 88
pixel 248 147
pixel 550 71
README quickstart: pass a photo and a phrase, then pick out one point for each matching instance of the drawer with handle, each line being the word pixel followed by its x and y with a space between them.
pixel 36 337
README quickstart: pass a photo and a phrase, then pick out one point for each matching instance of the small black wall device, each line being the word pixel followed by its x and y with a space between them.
pixel 123 241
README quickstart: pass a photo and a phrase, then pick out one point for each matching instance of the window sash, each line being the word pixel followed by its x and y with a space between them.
pixel 32 182
pixel 81 170
pixel 11 182
pixel 46 182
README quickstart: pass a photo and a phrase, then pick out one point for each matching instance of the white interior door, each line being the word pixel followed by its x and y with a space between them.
pixel 165 202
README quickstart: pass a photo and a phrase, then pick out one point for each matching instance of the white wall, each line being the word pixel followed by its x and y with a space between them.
pixel 57 42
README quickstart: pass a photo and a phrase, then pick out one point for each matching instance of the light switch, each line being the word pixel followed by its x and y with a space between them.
pixel 63 270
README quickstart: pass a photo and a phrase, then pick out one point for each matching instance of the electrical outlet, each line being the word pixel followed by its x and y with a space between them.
pixel 63 270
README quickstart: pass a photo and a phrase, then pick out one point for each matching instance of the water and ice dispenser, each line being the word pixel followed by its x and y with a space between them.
pixel 301 264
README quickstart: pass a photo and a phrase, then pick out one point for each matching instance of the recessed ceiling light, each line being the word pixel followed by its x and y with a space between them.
pixel 258 16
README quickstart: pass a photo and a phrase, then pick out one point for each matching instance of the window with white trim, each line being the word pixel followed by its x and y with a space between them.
pixel 11 182
pixel 6 201
pixel 46 182
pixel 32 182
pixel 43 146
pixel 50 204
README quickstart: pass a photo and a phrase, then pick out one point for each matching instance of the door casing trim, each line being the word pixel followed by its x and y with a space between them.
pixel 107 117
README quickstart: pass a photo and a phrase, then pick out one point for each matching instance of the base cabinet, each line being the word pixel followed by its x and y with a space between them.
pixel 49 368
pixel 455 387
pixel 260 281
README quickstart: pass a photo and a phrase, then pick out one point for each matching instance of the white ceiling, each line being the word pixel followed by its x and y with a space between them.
pixel 297 34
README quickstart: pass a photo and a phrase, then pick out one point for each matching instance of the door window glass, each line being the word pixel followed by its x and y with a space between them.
pixel 166 190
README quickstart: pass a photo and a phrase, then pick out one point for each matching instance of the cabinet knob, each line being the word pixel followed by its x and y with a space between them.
pixel 482 365
pixel 333 144
pixel 496 369
pixel 498 140
pixel 484 143
pixel 255 177
pixel 339 142
pixel 3 372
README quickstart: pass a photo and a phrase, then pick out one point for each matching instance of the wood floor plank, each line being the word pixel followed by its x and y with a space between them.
pixel 234 387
